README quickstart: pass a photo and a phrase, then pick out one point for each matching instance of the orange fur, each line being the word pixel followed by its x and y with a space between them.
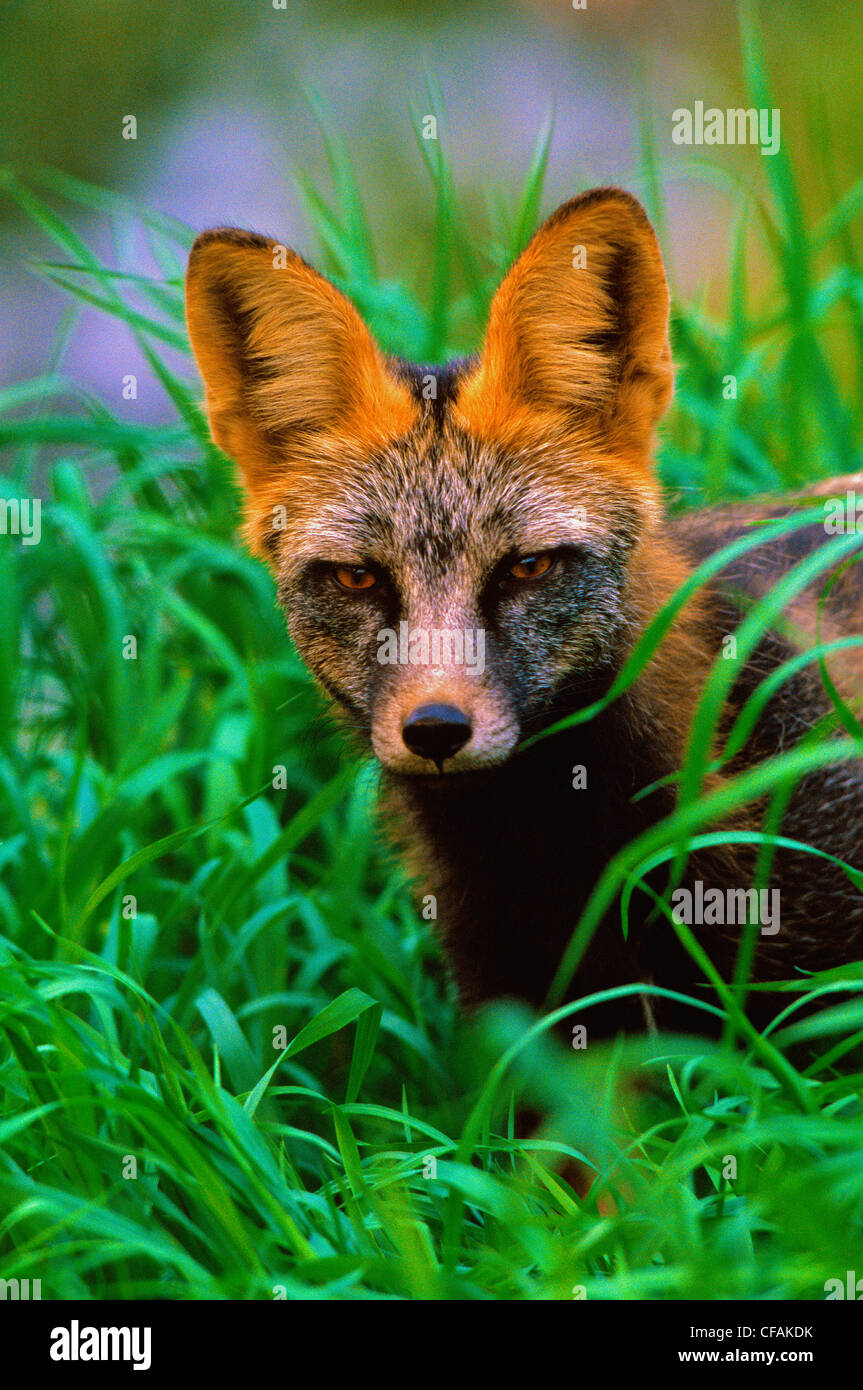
pixel 579 346
pixel 292 374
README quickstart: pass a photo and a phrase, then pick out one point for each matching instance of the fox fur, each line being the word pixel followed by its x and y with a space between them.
pixel 435 482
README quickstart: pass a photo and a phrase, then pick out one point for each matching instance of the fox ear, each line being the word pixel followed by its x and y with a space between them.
pixel 580 323
pixel 283 354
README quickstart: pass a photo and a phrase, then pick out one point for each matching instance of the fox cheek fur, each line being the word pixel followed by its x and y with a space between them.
pixel 540 446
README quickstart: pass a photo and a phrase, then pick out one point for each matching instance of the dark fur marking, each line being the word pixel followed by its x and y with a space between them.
pixel 446 381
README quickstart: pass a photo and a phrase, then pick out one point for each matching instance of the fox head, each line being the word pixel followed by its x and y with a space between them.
pixel 459 550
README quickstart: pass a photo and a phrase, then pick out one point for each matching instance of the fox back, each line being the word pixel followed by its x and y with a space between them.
pixel 468 554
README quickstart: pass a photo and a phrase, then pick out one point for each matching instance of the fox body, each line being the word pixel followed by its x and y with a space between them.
pixel 512 495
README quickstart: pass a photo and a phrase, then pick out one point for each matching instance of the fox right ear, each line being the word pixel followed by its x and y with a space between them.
pixel 283 354
pixel 580 323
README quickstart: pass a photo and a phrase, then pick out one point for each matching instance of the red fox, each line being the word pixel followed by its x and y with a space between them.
pixel 467 554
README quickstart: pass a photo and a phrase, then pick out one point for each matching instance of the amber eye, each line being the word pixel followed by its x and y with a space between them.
pixel 531 566
pixel 354 577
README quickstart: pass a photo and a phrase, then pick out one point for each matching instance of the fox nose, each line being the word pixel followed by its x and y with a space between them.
pixel 436 732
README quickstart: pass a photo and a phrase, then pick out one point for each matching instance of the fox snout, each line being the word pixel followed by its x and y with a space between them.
pixel 436 732
pixel 442 725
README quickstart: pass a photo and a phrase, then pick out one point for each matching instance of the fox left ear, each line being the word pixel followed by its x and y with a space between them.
pixel 580 323
pixel 284 355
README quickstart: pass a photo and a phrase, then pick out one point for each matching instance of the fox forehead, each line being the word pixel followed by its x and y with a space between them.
pixel 439 496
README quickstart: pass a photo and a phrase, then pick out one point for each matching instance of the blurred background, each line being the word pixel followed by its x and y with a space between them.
pixel 220 94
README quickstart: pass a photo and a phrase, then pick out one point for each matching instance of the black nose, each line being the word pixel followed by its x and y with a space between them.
pixel 436 732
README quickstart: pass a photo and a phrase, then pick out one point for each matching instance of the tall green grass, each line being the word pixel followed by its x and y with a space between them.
pixel 189 872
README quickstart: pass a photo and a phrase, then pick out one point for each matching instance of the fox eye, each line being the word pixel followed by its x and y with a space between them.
pixel 531 566
pixel 354 577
